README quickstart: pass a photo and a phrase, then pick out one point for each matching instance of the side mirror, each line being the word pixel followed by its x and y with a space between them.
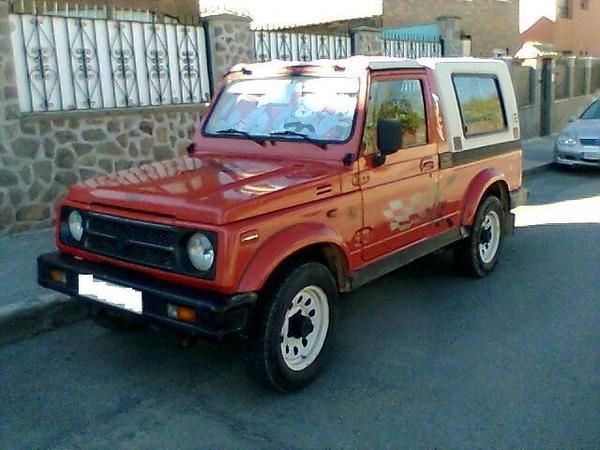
pixel 389 136
pixel 573 119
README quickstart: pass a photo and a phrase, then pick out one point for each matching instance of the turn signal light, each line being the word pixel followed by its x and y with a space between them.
pixel 58 276
pixel 181 313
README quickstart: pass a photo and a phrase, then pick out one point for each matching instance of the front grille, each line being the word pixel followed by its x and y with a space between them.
pixel 143 243
pixel 590 142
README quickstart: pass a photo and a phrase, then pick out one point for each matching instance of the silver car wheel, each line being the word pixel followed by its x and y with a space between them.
pixel 305 328
pixel 489 237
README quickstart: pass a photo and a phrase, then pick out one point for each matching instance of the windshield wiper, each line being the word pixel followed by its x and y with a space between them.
pixel 253 138
pixel 302 136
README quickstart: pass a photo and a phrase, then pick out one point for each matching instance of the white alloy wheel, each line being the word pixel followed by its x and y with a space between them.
pixel 489 238
pixel 305 328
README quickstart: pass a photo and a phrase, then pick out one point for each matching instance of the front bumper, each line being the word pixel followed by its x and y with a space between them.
pixel 518 198
pixel 576 156
pixel 217 316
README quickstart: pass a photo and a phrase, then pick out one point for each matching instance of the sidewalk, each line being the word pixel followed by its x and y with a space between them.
pixel 27 309
pixel 537 154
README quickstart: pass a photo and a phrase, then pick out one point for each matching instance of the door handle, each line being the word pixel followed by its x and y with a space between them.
pixel 427 164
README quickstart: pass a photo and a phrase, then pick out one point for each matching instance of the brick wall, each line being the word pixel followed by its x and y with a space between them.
pixel 491 23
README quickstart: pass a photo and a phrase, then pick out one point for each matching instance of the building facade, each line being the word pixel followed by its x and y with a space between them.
pixel 571 30
pixel 492 26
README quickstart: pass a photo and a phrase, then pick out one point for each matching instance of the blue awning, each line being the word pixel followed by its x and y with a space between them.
pixel 424 31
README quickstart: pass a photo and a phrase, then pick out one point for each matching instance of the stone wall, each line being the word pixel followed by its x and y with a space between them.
pixel 367 41
pixel 231 42
pixel 42 155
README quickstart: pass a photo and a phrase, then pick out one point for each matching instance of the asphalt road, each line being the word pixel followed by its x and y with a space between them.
pixel 425 359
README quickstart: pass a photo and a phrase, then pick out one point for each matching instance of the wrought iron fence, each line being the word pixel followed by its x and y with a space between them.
pixel 74 63
pixel 287 46
pixel 411 47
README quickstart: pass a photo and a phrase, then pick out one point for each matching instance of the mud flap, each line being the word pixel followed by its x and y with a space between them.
pixel 510 224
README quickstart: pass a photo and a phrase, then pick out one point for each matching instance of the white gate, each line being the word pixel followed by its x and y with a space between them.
pixel 291 46
pixel 68 63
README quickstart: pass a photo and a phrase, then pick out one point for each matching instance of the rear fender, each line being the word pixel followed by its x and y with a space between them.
pixel 281 246
pixel 475 192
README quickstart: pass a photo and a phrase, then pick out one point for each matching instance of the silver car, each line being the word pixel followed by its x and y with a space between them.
pixel 579 143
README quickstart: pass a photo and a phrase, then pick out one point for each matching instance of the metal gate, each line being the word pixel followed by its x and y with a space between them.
pixel 410 47
pixel 74 63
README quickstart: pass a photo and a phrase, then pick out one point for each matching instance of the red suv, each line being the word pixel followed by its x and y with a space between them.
pixel 304 180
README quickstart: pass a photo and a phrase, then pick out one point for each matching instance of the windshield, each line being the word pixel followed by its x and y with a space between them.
pixel 592 113
pixel 293 107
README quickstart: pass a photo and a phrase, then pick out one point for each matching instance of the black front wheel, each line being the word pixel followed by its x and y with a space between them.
pixel 292 333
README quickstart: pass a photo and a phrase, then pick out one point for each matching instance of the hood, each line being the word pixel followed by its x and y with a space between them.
pixel 585 129
pixel 211 189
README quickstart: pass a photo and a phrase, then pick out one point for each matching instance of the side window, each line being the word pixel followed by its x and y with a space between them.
pixel 397 99
pixel 480 103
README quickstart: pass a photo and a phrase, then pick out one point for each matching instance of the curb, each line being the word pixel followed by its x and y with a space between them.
pixel 542 168
pixel 34 316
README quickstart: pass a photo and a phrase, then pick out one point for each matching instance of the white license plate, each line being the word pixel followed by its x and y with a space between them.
pixel 111 294
pixel 595 156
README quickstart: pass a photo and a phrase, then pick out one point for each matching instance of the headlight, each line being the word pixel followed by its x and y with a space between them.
pixel 201 252
pixel 76 225
pixel 565 139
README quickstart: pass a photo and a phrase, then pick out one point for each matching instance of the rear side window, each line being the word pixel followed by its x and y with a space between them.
pixel 480 103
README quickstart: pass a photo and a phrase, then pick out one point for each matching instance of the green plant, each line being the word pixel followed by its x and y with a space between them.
pixel 401 109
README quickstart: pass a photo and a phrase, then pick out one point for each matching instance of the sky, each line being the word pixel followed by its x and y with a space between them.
pixel 532 10
pixel 299 12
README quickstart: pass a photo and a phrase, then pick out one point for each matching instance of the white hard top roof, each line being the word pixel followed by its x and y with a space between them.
pixel 358 63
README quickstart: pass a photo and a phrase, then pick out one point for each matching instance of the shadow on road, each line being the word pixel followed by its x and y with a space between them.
pixel 563 183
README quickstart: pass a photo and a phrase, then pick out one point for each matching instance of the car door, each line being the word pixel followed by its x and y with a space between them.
pixel 400 195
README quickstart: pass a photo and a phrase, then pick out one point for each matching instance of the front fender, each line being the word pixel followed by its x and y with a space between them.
pixel 282 245
pixel 479 185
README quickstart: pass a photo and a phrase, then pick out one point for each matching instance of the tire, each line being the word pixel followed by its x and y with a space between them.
pixel 113 322
pixel 292 332
pixel 478 254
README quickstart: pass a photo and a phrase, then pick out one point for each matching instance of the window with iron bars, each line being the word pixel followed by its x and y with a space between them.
pixel 565 9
